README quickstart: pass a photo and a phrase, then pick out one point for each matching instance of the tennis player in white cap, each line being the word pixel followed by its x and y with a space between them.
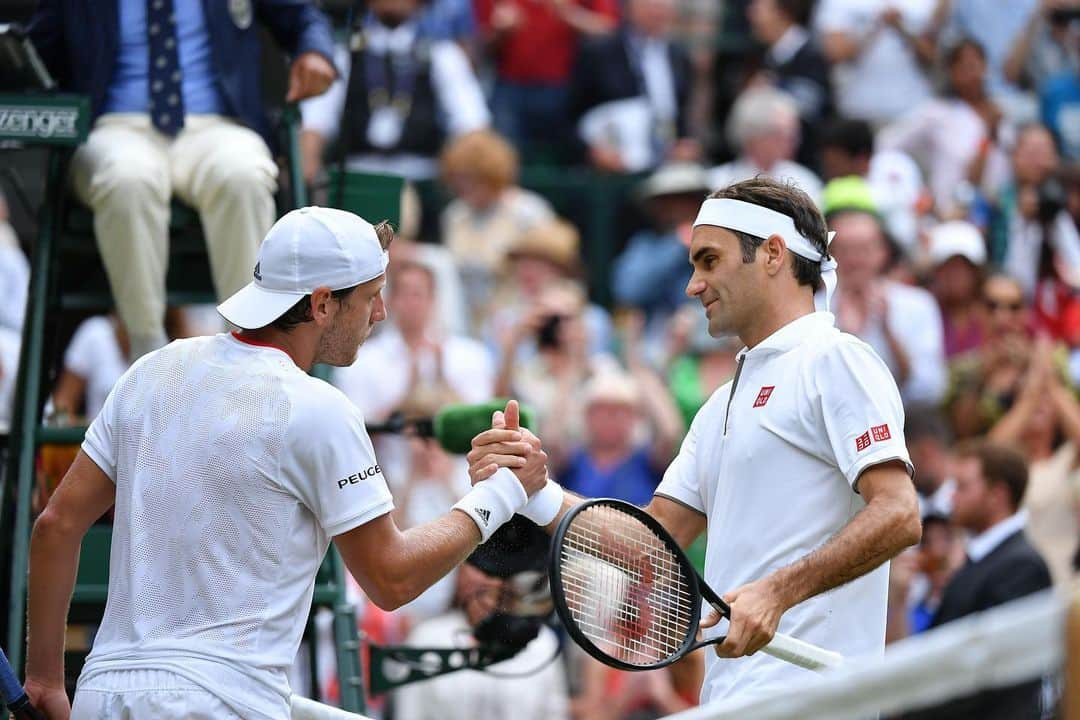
pixel 231 469
pixel 797 466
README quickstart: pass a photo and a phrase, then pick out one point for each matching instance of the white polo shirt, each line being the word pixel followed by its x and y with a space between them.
pixel 233 468
pixel 773 460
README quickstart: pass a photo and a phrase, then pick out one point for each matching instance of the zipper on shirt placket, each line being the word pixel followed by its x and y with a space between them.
pixel 731 395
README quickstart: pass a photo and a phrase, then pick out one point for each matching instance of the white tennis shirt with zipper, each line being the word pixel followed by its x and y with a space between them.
pixel 773 461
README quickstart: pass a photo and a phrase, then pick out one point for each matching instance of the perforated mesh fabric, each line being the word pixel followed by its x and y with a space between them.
pixel 215 544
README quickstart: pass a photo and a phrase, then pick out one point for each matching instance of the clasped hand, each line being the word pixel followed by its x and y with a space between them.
pixel 508 445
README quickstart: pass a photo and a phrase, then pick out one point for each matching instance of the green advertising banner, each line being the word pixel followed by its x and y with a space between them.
pixel 39 119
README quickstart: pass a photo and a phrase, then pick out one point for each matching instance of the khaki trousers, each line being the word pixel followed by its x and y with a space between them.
pixel 126 173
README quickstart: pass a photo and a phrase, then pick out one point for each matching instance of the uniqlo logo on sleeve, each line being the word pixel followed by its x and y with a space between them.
pixel 763 395
pixel 862 442
pixel 880 432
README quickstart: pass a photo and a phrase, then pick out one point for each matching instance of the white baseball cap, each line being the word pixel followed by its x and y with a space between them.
pixel 307 248
pixel 957 238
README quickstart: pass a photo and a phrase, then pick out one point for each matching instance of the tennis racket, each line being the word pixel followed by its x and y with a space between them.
pixel 629 596
pixel 14 695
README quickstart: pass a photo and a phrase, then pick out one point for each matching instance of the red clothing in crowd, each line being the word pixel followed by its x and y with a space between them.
pixel 542 49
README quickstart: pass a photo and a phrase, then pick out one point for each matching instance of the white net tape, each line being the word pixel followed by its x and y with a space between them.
pixel 302 708
pixel 1002 646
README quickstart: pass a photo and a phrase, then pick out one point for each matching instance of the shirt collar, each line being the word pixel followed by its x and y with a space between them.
pixel 987 541
pixel 381 39
pixel 794 333
pixel 789 43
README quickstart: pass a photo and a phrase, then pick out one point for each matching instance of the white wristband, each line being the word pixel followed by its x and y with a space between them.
pixel 493 501
pixel 544 506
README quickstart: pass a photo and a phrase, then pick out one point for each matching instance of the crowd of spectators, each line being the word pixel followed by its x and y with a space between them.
pixel 940 138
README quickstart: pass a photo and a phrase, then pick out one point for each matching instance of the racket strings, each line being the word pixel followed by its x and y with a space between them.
pixel 625 589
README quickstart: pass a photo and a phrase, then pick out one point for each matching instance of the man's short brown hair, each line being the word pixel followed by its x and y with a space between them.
pixel 385 232
pixel 787 199
pixel 999 464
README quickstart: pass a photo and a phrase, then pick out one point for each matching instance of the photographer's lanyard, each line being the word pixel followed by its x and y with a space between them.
pixel 390 95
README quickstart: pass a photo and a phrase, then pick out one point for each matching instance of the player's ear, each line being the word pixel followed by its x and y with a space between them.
pixel 775 250
pixel 320 305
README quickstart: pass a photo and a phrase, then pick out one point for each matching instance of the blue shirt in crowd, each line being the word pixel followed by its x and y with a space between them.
pixel 632 480
pixel 129 91
pixel 448 20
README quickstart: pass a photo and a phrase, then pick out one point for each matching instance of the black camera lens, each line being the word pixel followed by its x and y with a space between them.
pixel 548 334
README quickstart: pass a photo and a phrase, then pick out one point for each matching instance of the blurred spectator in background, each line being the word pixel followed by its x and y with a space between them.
pixel 652 272
pixel 545 361
pixel 1001 566
pixel 505 579
pixel 407 95
pixel 533 43
pixel 901 322
pixel 617 457
pixel 412 363
pixel 957 257
pixel 983 381
pixel 878 54
pixel 452 20
pixel 893 178
pixel 764 128
pixel 489 212
pixel 176 97
pixel 1044 424
pixel 630 92
pixel 547 255
pixel 996 27
pixel 14 274
pixel 918 577
pixel 954 136
pixel 795 64
pixel 929 439
pixel 938 559
pixel 14 287
pixel 1047 47
pixel 94 360
pixel 697 363
pixel 432 481
pixel 609 694
pixel 1033 237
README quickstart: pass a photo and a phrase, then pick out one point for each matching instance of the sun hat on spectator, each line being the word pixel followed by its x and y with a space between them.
pixel 307 248
pixel 611 386
pixel 556 241
pixel 957 238
pixel 683 178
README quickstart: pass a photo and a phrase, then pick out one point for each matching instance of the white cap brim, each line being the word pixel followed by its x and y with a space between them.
pixel 253 307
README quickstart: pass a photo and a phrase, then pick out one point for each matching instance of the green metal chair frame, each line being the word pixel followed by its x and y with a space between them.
pixel 67 275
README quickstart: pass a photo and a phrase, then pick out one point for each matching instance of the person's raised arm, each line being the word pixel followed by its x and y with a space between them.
pixel 394 566
pixel 1016 60
pixel 83 496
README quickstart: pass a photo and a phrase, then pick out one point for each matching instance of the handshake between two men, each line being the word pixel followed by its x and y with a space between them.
pixel 509 448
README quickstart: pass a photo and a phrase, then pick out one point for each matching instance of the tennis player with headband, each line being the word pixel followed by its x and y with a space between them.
pixel 231 470
pixel 797 467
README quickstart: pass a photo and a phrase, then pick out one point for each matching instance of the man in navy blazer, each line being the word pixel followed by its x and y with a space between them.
pixel 1001 566
pixel 176 97
pixel 638 61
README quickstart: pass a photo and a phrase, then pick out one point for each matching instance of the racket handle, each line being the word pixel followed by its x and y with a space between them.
pixel 803 654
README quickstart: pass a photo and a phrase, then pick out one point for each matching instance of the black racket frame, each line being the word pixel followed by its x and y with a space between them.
pixel 698 589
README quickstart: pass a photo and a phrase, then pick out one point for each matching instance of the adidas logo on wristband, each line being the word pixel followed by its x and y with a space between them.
pixel 485 515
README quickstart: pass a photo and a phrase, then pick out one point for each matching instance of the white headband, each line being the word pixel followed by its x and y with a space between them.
pixel 761 222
